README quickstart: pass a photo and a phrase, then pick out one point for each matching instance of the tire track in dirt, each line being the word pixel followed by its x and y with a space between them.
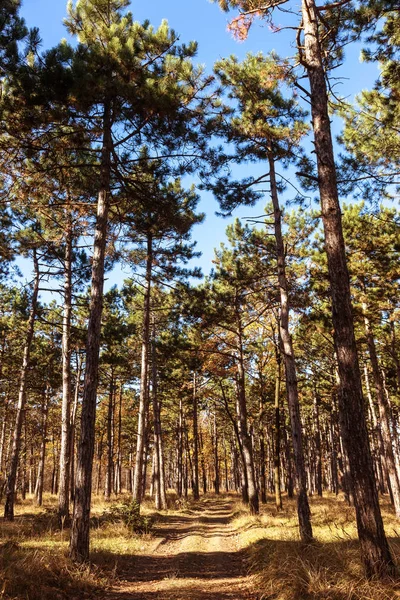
pixel 197 559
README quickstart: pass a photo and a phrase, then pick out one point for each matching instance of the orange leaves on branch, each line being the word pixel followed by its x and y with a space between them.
pixel 240 25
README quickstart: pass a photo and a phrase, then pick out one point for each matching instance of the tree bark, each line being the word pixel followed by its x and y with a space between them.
pixel 303 509
pixel 277 444
pixel 42 458
pixel 158 480
pixel 110 440
pixel 374 546
pixel 138 483
pixel 118 467
pixel 317 443
pixel 384 417
pixel 65 449
pixel 216 455
pixel 247 450
pixel 73 426
pixel 196 494
pixel 263 477
pixel 16 443
pixel 79 546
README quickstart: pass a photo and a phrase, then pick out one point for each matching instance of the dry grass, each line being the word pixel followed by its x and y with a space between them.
pixel 330 569
pixel 34 563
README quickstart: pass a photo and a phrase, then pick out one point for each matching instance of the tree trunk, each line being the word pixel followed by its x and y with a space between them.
pixel 196 494
pixel 42 458
pixel 262 478
pixel 16 443
pixel 374 546
pixel 384 417
pixel 203 464
pixel 65 450
pixel 317 442
pixel 118 470
pixel 73 426
pixel 79 546
pixel 303 508
pixel 216 457
pixel 138 483
pixel 3 432
pixel 156 453
pixel 248 461
pixel 180 449
pixel 110 440
pixel 277 445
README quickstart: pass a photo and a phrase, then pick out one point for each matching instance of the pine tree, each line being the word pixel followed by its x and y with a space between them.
pixel 266 126
pixel 316 54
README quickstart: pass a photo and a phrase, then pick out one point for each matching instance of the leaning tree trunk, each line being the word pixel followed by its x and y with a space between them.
pixel 374 546
pixel 303 508
pixel 79 546
pixel 65 449
pixel 138 483
pixel 16 442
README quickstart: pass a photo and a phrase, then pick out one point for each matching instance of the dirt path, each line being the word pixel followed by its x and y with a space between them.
pixel 197 558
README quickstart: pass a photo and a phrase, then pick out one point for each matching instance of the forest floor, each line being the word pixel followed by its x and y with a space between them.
pixel 209 550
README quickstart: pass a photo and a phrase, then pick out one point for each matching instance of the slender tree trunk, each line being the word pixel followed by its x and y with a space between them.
pixel 263 478
pixel 110 440
pixel 317 443
pixel 3 432
pixel 196 494
pixel 118 471
pixel 303 508
pixel 203 464
pixel 376 438
pixel 23 457
pixel 216 457
pixel 42 458
pixel 79 546
pixel 156 454
pixel 99 463
pixel 180 449
pixel 384 417
pixel 73 426
pixel 16 440
pixel 288 457
pixel 248 464
pixel 393 352
pixel 138 483
pixel 65 450
pixel 277 445
pixel 32 470
pixel 374 546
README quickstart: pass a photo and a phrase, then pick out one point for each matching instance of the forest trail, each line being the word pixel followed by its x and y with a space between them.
pixel 198 558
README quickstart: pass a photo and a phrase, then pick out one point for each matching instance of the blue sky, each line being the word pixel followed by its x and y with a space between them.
pixel 203 21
